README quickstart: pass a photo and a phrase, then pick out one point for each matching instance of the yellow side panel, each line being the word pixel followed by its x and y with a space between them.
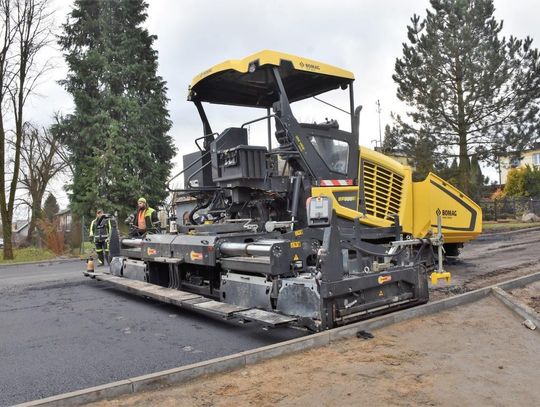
pixel 461 216
pixel 388 189
pixel 383 198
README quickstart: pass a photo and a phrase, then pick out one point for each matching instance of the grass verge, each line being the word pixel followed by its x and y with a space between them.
pixel 503 226
pixel 28 254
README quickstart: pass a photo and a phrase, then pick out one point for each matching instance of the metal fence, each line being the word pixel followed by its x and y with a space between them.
pixel 509 208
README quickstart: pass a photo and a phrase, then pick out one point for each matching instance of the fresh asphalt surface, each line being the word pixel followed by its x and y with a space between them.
pixel 60 332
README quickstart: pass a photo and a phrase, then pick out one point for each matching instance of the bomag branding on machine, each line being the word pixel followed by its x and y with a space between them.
pixel 446 212
pixel 309 66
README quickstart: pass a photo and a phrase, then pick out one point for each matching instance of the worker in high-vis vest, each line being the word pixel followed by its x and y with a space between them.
pixel 145 218
pixel 100 234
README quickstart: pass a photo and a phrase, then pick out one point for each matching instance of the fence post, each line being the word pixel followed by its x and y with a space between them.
pixel 495 210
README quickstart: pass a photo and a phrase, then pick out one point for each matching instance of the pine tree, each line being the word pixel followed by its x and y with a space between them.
pixel 50 207
pixel 472 90
pixel 117 135
pixel 417 147
pixel 476 178
pixel 392 140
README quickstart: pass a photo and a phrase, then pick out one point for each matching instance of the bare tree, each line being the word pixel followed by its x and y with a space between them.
pixel 26 29
pixel 41 161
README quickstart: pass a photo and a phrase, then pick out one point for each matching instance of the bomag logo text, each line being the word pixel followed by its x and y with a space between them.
pixel 307 65
pixel 346 199
pixel 446 212
pixel 205 73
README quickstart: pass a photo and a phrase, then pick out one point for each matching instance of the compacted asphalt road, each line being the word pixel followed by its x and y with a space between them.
pixel 60 331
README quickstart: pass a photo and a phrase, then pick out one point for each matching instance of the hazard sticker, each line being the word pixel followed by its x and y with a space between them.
pixel 384 279
pixel 195 256
pixel 151 251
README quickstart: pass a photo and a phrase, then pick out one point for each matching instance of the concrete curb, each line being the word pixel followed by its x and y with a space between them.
pixel 523 310
pixel 228 363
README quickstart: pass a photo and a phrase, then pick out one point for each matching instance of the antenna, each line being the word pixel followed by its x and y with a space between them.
pixel 378 103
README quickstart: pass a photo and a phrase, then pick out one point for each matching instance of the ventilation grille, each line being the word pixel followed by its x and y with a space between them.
pixel 382 190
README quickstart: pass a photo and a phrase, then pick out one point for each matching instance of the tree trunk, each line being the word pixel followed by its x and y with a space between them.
pixel 36 214
pixel 8 245
pixel 464 163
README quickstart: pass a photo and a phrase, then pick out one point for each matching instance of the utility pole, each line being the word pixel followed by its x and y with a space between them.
pixel 378 103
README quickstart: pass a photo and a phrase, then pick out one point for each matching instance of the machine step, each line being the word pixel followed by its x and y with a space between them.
pixel 219 308
pixel 163 294
pixel 192 301
pixel 266 317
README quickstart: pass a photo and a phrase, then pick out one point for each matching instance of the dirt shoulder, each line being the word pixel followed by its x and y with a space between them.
pixel 530 295
pixel 491 259
pixel 454 358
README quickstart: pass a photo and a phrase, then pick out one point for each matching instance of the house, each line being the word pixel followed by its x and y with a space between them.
pixel 19 231
pixel 63 220
pixel 521 159
pixel 399 155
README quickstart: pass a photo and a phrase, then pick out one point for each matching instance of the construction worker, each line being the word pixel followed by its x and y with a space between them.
pixel 144 219
pixel 100 234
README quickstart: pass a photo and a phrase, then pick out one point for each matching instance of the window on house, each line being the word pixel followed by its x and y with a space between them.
pixel 68 223
pixel 514 162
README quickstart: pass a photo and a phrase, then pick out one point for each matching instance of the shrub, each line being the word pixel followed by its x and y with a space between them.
pixel 54 240
pixel 523 182
pixel 497 195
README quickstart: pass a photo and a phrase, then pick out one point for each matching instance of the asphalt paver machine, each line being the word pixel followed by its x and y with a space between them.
pixel 313 231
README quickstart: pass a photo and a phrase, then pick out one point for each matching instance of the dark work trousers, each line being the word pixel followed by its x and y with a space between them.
pixel 102 250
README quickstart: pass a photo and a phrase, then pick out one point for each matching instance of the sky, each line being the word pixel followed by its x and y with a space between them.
pixel 362 36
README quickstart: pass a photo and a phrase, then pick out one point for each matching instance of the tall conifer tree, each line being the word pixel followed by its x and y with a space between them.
pixel 475 91
pixel 117 134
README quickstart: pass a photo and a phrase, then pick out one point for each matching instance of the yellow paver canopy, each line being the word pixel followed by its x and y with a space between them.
pixel 250 81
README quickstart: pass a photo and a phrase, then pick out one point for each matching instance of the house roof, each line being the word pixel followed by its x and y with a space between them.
pixel 62 212
pixel 20 225
pixel 534 148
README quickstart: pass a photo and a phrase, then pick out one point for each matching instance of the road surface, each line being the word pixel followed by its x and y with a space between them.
pixel 60 331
